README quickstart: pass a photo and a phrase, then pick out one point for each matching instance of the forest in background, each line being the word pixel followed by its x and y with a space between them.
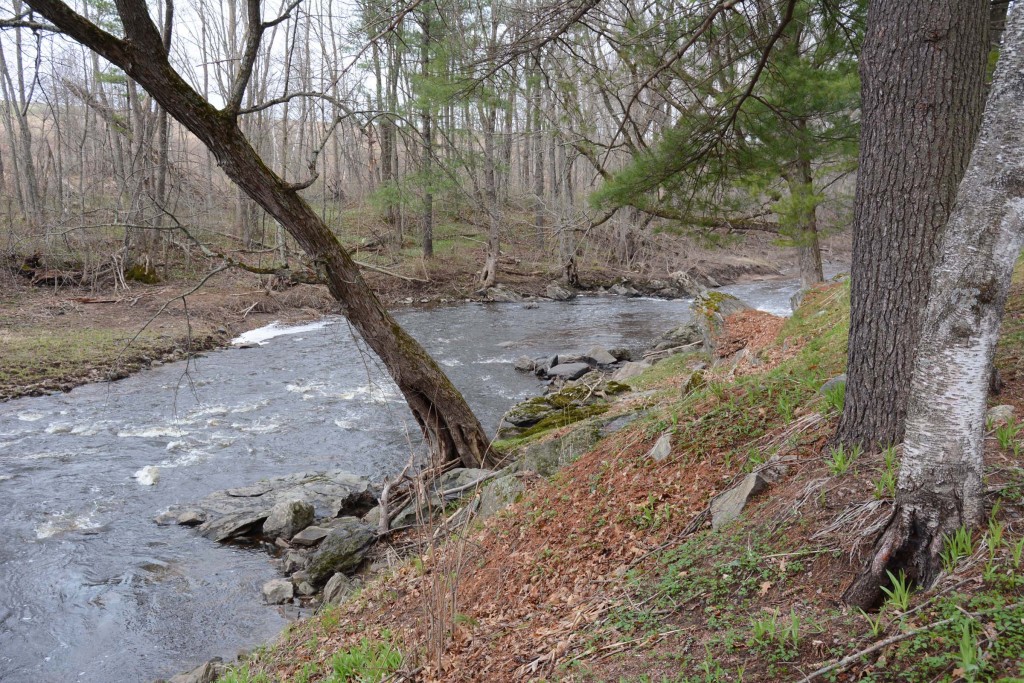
pixel 579 130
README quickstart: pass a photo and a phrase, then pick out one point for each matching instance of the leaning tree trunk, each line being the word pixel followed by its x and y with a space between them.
pixel 940 481
pixel 923 70
pixel 450 427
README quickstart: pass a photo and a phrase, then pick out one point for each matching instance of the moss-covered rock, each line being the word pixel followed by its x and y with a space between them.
pixel 710 311
pixel 342 550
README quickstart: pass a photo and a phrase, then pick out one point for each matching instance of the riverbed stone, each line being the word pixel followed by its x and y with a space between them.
pixel 600 356
pixel 727 506
pixel 623 289
pixel 499 294
pixel 294 561
pixel 239 511
pixel 685 284
pixel 525 364
pixel 342 550
pixel 569 370
pixel 191 518
pixel 310 536
pixel 559 293
pixel 207 672
pixel 337 588
pixel 278 591
pixel 288 518
pixel 629 370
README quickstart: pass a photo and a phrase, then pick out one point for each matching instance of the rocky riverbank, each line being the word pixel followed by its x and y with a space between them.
pixel 321 528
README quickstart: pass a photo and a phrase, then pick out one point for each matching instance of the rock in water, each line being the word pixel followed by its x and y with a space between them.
pixel 685 284
pixel 600 356
pixel 310 536
pixel 569 370
pixel 342 550
pixel 288 518
pixel 238 511
pixel 525 364
pixel 278 591
pixel 559 293
pixel 148 475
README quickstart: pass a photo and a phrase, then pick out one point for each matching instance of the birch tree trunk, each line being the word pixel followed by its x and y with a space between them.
pixel 449 426
pixel 940 479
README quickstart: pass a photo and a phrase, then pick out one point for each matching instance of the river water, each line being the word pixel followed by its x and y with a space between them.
pixel 92 590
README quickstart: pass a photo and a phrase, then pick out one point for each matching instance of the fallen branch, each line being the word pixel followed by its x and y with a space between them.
pixel 849 660
pixel 390 272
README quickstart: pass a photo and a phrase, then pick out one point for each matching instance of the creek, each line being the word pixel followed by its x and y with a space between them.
pixel 92 590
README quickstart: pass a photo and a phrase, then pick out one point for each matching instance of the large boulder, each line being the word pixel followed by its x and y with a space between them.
pixel 600 356
pixel 499 294
pixel 278 591
pixel 342 550
pixel 240 511
pixel 337 589
pixel 499 494
pixel 559 293
pixel 569 370
pixel 624 289
pixel 685 284
pixel 288 518
pixel 547 457
pixel 710 311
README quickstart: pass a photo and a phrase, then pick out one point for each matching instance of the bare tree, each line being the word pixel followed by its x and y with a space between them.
pixel 448 424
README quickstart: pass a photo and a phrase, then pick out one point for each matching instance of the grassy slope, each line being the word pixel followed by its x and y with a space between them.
pixel 608 572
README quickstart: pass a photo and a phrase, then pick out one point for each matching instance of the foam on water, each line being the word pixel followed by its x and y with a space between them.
pixel 451 362
pixel 304 388
pixel 153 432
pixel 148 475
pixel 262 335
pixel 84 429
pixel 30 416
pixel 63 522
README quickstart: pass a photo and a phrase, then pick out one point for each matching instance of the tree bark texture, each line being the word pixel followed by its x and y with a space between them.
pixel 940 481
pixel 922 78
pixel 450 427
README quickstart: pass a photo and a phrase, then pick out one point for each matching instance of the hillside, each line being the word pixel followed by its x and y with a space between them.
pixel 609 570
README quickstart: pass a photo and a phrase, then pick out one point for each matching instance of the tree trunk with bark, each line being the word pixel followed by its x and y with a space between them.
pixel 450 427
pixel 940 481
pixel 922 69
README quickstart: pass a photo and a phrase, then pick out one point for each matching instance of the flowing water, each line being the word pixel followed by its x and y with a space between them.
pixel 92 590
